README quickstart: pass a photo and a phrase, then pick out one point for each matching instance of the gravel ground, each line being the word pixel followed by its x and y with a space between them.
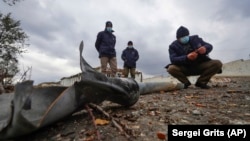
pixel 227 102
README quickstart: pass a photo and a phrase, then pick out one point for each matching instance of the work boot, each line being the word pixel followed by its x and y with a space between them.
pixel 202 85
pixel 186 85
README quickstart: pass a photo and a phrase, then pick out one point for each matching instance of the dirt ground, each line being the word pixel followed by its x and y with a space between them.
pixel 227 102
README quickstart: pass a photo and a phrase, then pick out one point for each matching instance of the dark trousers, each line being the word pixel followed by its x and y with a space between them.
pixel 127 71
pixel 206 70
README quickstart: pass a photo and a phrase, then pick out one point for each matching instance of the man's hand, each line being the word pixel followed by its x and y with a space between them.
pixel 192 56
pixel 201 50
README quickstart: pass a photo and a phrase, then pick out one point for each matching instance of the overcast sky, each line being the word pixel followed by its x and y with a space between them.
pixel 56 28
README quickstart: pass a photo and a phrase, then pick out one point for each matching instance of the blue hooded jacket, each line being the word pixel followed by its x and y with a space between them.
pixel 105 44
pixel 130 56
pixel 178 55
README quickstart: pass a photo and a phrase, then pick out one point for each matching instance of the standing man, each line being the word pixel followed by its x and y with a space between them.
pixel 105 45
pixel 129 56
pixel 189 56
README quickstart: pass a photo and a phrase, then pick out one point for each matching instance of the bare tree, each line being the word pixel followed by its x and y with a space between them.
pixel 12 44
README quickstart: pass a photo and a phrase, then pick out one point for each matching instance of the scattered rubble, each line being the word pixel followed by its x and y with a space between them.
pixel 227 102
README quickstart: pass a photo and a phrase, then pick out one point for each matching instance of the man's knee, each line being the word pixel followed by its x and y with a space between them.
pixel 172 69
pixel 218 63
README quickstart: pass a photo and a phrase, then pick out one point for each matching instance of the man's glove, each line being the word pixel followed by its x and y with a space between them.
pixel 201 50
pixel 192 56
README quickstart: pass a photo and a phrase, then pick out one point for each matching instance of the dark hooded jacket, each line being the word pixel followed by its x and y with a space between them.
pixel 178 53
pixel 130 56
pixel 105 44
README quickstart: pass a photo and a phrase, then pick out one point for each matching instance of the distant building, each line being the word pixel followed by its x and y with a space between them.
pixel 236 68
